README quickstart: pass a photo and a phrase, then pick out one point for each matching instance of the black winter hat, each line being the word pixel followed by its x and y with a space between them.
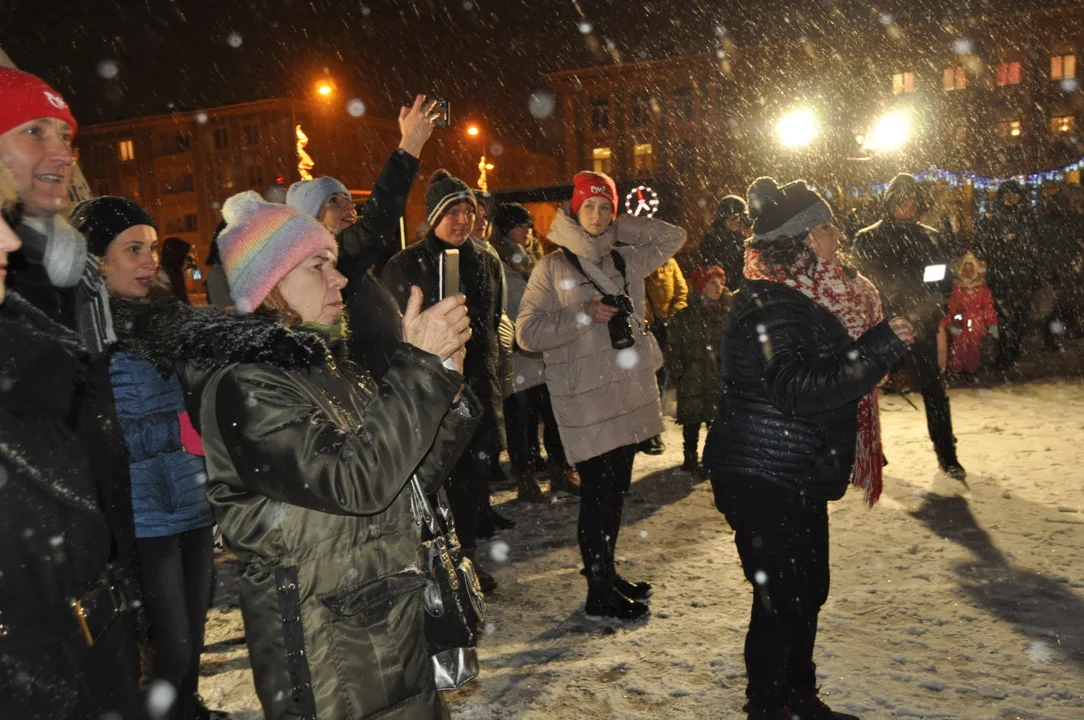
pixel 783 211
pixel 445 191
pixel 512 215
pixel 728 206
pixel 101 219
pixel 902 188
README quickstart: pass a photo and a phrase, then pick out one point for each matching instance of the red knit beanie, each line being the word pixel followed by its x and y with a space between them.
pixel 24 97
pixel 703 275
pixel 592 184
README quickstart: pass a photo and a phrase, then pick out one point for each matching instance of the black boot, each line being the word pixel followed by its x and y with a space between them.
pixel 500 521
pixel 691 463
pixel 487 582
pixel 605 601
pixel 633 591
pixel 807 705
pixel 652 446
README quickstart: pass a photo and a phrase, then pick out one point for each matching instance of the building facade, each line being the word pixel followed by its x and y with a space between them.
pixel 993 96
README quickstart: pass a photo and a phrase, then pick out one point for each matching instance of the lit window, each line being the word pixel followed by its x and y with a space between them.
pixel 903 83
pixel 1009 129
pixel 600 114
pixel 602 159
pixel 1060 124
pixel 1007 74
pixel 126 150
pixel 955 78
pixel 643 158
pixel 1062 66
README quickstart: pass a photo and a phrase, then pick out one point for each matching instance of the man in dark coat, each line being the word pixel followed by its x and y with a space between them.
pixel 450 209
pixel 54 272
pixel 724 246
pixel 907 262
pixel 1008 240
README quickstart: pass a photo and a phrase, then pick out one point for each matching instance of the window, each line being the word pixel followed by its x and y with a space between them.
pixel 100 153
pixel 177 182
pixel 226 177
pixel 685 157
pixel 129 188
pixel 643 158
pixel 173 143
pixel 101 189
pixel 1061 124
pixel 251 133
pixel 1007 74
pixel 684 112
pixel 222 139
pixel 182 222
pixel 255 176
pixel 903 82
pixel 955 78
pixel 1062 66
pixel 641 110
pixel 602 160
pixel 126 150
pixel 1009 129
pixel 600 114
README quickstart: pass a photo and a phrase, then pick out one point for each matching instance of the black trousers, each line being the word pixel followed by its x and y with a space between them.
pixel 923 360
pixel 177 572
pixel 782 540
pixel 523 411
pixel 604 481
pixel 468 483
pixel 1014 320
pixel 690 433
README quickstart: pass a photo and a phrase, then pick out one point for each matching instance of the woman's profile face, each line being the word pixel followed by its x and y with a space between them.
pixel 824 239
pixel 130 262
pixel 313 289
pixel 595 215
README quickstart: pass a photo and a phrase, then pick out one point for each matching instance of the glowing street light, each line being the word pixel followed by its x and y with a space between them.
pixel 473 131
pixel 890 132
pixel 797 128
pixel 324 89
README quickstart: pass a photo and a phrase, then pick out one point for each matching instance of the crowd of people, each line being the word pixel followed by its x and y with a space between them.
pixel 334 371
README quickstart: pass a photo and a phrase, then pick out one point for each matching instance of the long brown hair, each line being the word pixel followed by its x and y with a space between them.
pixel 275 305
pixel 789 255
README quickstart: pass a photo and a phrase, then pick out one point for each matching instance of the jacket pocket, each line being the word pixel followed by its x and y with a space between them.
pixel 376 637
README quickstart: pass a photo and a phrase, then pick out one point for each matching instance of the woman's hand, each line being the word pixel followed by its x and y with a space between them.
pixel 599 311
pixel 442 330
pixel 416 125
pixel 459 359
pixel 903 328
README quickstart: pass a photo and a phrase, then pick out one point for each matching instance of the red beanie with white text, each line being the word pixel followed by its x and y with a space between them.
pixel 24 97
pixel 591 184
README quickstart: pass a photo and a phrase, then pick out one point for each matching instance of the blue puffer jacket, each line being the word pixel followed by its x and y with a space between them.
pixel 169 485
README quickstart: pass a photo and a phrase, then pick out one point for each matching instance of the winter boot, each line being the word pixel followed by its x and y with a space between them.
pixel 487 582
pixel 691 464
pixel 953 469
pixel 529 491
pixel 761 712
pixel 633 591
pixel 565 480
pixel 652 446
pixel 606 602
pixel 499 521
pixel 807 705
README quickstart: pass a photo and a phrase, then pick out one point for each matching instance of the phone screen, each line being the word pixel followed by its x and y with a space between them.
pixel 934 273
pixel 449 273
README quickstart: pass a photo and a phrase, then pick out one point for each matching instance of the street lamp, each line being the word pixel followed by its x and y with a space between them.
pixel 324 89
pixel 473 131
pixel 890 132
pixel 797 128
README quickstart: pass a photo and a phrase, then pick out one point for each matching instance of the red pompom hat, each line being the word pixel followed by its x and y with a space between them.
pixel 24 97
pixel 592 184
pixel 703 275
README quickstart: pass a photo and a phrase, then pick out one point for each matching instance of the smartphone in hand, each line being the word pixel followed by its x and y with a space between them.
pixel 449 273
pixel 443 109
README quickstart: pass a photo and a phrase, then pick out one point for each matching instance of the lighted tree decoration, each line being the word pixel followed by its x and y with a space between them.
pixel 304 160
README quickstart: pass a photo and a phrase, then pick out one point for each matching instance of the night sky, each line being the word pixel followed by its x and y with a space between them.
pixel 114 59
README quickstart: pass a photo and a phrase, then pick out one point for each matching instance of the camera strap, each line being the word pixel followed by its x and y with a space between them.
pixel 595 276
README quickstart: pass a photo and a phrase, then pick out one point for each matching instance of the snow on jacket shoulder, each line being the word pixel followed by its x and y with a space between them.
pixel 792 378
pixel 169 485
pixel 603 398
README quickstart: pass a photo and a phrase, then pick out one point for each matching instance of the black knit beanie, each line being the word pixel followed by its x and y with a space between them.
pixel 512 215
pixel 445 191
pixel 783 211
pixel 102 219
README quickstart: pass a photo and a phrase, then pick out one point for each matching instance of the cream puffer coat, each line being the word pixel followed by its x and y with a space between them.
pixel 603 398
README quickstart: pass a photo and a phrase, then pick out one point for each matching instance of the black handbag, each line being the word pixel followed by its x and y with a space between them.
pixel 455 607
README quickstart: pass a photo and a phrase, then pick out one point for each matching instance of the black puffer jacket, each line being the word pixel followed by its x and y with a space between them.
pixel 792 379
pixel 723 247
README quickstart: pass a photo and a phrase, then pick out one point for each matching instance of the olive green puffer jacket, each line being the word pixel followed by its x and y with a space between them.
pixel 307 462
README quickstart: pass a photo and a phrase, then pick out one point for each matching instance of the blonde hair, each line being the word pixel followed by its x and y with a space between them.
pixel 8 193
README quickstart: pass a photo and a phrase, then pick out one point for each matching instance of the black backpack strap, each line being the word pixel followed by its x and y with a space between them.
pixel 619 263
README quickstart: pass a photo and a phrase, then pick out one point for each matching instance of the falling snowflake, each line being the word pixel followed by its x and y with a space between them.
pixel 962 46
pixel 586 27
pixel 108 69
pixel 761 577
pixel 583 319
pixel 628 358
pixel 643 533
pixel 1070 85
pixel 1040 653
pixel 355 107
pixel 520 380
pixel 234 39
pixel 160 698
pixel 567 284
pixel 1057 327
pixel 541 104
pixel 499 551
pixel 201 118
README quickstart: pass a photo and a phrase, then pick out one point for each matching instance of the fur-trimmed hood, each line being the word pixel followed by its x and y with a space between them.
pixel 171 335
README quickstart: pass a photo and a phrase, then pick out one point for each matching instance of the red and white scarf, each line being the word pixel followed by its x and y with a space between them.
pixel 857 305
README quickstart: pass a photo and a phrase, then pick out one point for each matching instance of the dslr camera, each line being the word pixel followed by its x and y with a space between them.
pixel 620 325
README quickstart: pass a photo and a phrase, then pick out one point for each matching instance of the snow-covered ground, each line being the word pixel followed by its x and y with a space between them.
pixel 947 601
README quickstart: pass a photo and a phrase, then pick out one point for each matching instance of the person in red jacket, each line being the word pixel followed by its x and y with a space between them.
pixel 970 315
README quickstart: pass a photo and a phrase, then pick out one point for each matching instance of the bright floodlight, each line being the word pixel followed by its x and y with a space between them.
pixel 324 89
pixel 797 128
pixel 472 130
pixel 890 132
